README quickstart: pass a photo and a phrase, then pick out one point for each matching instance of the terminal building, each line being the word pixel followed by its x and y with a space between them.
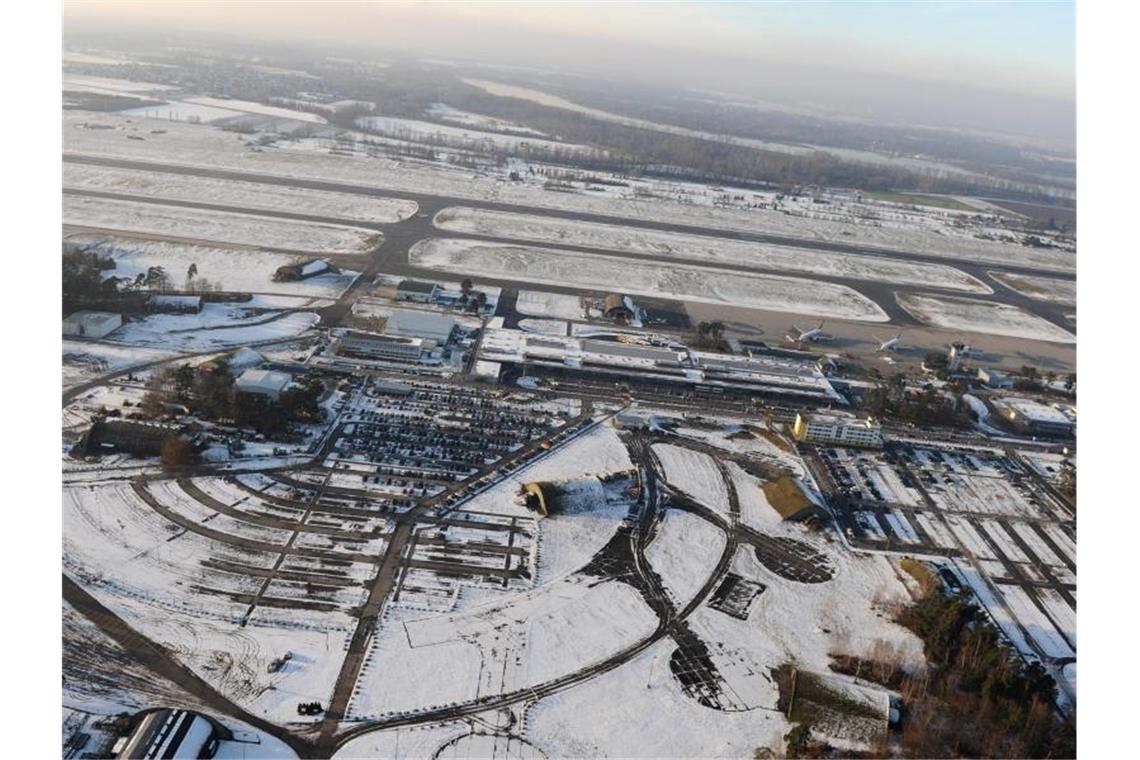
pixel 657 363
pixel 836 430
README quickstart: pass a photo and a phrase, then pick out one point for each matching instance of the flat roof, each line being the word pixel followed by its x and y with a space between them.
pixel 90 317
pixel 417 286
pixel 404 321
pixel 1035 411
pixel 264 379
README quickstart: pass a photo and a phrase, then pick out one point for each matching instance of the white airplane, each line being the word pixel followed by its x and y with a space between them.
pixel 807 336
pixel 890 344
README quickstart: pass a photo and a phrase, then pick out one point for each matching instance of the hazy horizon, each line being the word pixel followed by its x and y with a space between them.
pixel 990 67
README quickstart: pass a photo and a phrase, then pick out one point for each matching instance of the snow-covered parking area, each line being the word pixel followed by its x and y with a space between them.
pixel 981 316
pixel 229 192
pixel 536 303
pixel 675 245
pixel 679 281
pixel 216 226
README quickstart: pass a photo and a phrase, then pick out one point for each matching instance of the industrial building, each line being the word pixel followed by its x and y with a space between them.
pixel 415 291
pixel 171 734
pixel 1035 418
pixel 92 324
pixel 420 324
pixel 835 430
pixel 263 382
pixel 373 346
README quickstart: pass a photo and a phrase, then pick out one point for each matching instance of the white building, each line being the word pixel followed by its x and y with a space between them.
pixel 364 345
pixel 1034 417
pixel 263 382
pixel 837 431
pixel 420 324
pixel 92 324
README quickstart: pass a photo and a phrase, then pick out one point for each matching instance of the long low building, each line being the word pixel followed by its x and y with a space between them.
pixel 263 382
pixel 659 361
pixel 171 734
pixel 373 346
pixel 837 430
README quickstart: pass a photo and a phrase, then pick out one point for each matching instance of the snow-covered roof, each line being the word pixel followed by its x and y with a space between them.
pixel 417 286
pixel 419 323
pixel 262 381
pixel 316 266
pixel 91 319
pixel 244 358
pixel 1034 411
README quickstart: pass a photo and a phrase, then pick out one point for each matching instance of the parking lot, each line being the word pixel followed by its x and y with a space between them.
pixel 997 525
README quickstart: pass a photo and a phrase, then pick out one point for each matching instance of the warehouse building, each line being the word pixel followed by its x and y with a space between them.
pixel 420 324
pixel 834 430
pixel 1035 418
pixel 263 382
pixel 92 324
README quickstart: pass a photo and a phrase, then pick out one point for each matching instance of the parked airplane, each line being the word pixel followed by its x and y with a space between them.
pixel 807 336
pixel 890 344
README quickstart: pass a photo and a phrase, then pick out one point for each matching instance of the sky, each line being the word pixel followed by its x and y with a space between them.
pixel 1009 64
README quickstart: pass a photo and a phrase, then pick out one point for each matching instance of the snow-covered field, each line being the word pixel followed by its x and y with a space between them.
pixel 83 360
pixel 245 195
pixel 444 112
pixel 199 145
pixel 982 317
pixel 216 226
pixel 220 326
pixel 230 269
pixel 415 130
pixel 1040 288
pixel 544 326
pixel 181 111
pixel 108 85
pixel 554 266
pixel 695 474
pixel 147 570
pixel 675 245
pixel 685 553
pixel 536 303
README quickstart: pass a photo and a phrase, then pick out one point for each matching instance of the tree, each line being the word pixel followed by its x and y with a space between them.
pixel 157 278
pixel 178 452
pixel 191 272
pixel 466 286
